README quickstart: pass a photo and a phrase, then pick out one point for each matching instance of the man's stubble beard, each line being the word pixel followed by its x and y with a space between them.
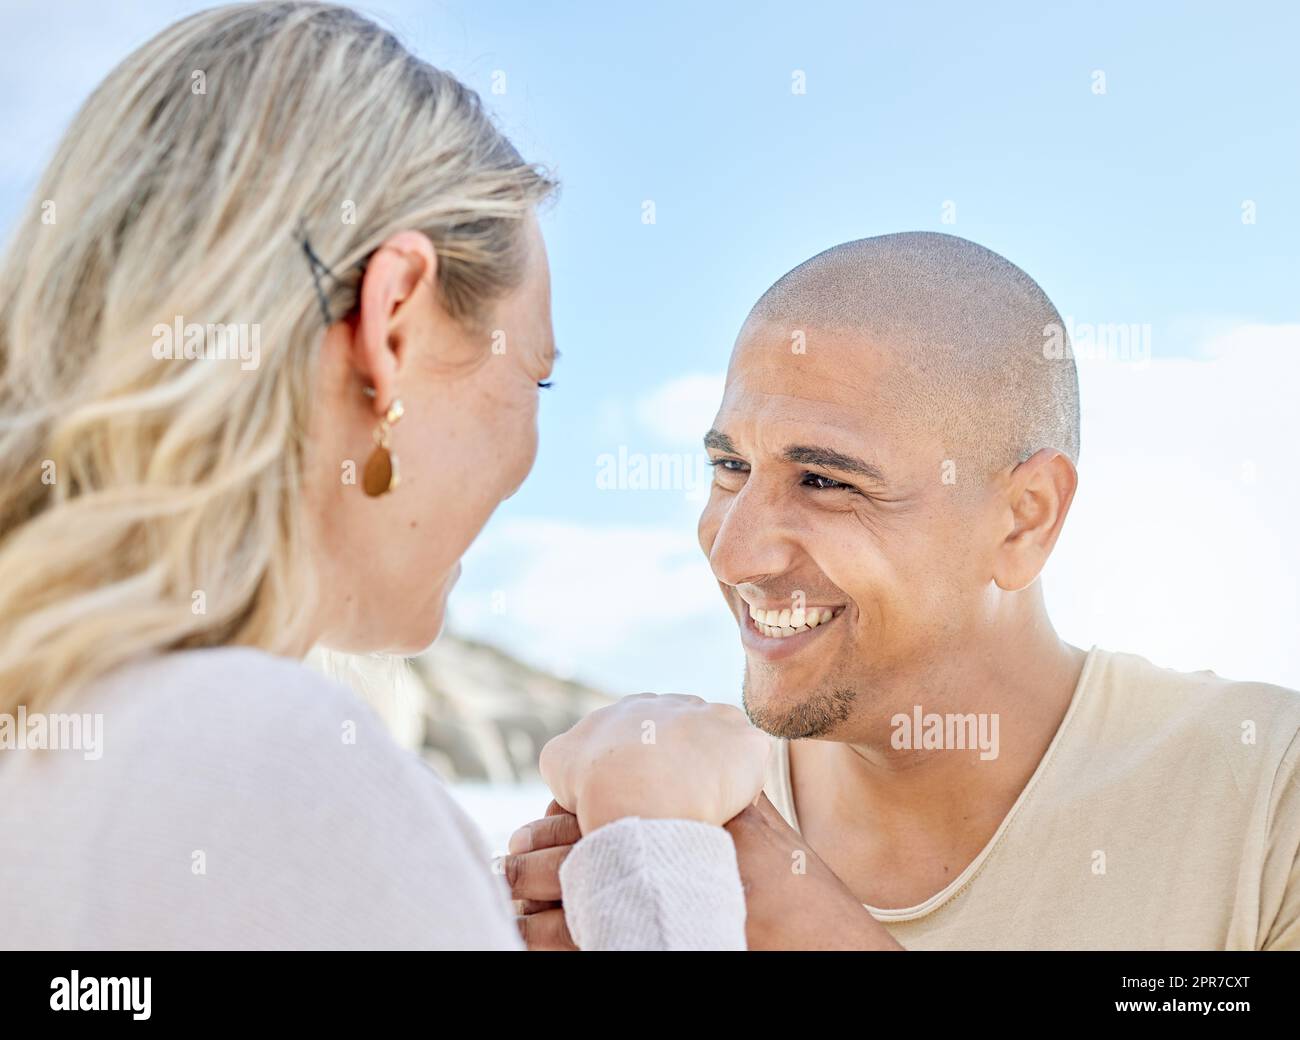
pixel 813 717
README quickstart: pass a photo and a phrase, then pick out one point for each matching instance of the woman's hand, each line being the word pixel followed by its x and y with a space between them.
pixel 665 756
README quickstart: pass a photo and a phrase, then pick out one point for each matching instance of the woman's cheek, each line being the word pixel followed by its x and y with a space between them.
pixel 527 450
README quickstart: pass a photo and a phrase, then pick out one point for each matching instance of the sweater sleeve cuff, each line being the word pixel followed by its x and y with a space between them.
pixel 639 884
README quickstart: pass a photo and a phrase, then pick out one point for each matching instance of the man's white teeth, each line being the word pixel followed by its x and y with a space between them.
pixel 777 624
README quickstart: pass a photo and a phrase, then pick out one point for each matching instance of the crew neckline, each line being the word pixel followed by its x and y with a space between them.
pixel 1092 662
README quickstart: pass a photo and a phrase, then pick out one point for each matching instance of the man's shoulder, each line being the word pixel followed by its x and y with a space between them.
pixel 1134 677
pixel 1152 704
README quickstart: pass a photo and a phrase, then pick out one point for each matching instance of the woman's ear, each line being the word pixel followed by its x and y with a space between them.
pixel 1039 494
pixel 399 285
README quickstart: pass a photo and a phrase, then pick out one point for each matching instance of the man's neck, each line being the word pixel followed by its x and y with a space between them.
pixel 898 823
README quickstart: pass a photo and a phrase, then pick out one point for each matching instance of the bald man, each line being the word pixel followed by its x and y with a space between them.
pixel 894 457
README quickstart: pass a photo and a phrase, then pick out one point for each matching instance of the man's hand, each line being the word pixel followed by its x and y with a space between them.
pixel 532 869
pixel 662 756
pixel 794 901
pixel 679 757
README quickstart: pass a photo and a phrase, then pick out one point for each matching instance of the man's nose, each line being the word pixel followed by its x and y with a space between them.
pixel 753 540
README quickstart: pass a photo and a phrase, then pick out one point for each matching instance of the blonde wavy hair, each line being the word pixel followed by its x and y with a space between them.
pixel 184 186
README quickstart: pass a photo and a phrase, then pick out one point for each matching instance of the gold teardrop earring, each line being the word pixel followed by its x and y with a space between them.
pixel 381 468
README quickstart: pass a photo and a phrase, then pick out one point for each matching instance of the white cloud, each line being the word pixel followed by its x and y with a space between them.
pixel 681 410
pixel 1181 543
pixel 1278 345
pixel 611 604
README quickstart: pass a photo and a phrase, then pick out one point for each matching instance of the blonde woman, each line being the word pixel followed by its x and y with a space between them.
pixel 250 403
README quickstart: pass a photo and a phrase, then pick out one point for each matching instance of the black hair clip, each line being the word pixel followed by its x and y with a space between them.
pixel 319 267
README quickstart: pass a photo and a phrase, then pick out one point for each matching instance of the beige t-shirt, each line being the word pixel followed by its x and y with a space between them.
pixel 1165 814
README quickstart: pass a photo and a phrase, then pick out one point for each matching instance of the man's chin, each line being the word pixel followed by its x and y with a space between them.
pixel 796 716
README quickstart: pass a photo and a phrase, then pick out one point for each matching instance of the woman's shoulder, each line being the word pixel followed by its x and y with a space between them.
pixel 228 697
pixel 245 792
pixel 247 722
pixel 232 673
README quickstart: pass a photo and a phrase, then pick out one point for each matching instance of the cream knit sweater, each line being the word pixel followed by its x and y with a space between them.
pixel 237 800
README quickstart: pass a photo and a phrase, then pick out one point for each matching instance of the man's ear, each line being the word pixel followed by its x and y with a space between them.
pixel 1039 492
pixel 398 285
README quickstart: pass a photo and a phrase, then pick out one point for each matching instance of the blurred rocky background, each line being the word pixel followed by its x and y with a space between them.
pixel 485 715
pixel 472 711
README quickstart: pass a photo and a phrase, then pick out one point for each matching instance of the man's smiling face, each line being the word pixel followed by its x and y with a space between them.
pixel 893 460
pixel 829 495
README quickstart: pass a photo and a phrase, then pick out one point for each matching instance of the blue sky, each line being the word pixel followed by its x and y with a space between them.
pixel 1126 206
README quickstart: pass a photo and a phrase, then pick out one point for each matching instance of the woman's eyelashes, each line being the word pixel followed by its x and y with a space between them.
pixel 545 384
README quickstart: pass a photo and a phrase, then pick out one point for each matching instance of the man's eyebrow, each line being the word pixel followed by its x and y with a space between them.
pixel 811 455
pixel 807 455
pixel 720 441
